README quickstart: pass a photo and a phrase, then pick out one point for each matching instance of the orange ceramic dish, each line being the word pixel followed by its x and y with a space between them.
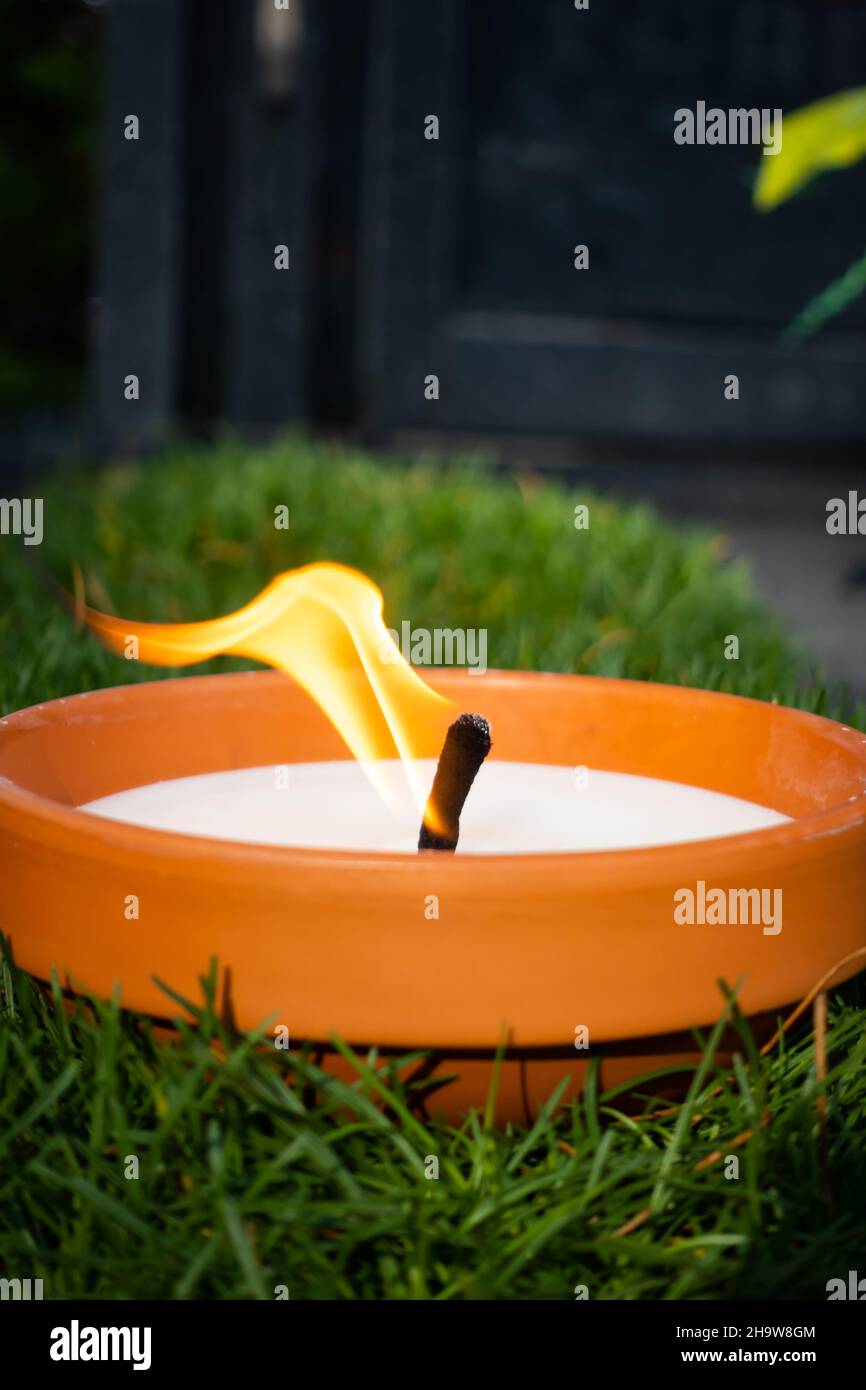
pixel 329 942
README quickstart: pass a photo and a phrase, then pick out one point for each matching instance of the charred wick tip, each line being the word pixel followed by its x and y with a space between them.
pixel 467 744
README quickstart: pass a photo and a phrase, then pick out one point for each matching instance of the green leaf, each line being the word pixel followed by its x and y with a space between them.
pixel 827 134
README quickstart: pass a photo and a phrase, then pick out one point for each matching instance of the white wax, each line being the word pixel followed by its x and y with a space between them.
pixel 513 808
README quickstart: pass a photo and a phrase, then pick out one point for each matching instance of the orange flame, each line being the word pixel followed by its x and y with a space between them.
pixel 323 626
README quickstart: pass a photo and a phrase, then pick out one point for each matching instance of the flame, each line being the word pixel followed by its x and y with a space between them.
pixel 323 626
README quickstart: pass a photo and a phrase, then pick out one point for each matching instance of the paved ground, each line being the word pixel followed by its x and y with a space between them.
pixel 819 583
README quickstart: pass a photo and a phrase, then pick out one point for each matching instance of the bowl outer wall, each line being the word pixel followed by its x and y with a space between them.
pixel 330 942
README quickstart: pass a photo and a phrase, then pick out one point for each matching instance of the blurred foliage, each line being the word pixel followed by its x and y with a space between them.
pixel 826 134
pixel 51 55
pixel 191 535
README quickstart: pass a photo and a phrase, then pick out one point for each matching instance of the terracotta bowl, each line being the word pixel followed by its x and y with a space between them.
pixel 329 942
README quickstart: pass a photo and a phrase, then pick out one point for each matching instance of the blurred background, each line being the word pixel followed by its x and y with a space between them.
pixel 304 127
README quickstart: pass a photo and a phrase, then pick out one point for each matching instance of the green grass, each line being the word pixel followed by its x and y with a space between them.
pixel 247 1182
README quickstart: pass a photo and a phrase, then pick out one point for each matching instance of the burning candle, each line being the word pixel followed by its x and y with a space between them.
pixel 324 626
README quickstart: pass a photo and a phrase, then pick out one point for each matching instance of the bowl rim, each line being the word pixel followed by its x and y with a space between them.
pixel 58 819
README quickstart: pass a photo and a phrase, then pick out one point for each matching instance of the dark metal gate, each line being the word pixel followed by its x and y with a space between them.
pixel 454 257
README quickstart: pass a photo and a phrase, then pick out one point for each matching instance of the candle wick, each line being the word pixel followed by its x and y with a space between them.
pixel 467 744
